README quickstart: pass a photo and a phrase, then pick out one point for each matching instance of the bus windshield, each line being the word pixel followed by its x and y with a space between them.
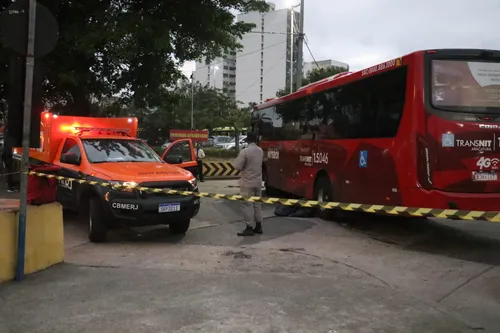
pixel 459 85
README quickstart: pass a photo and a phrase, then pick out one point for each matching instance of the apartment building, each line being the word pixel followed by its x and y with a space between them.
pixel 263 65
pixel 219 74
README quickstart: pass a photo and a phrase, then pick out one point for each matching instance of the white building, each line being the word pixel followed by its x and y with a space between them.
pixel 263 65
pixel 219 74
pixel 309 66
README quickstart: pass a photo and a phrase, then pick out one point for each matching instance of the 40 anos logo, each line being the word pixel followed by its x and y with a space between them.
pixel 486 163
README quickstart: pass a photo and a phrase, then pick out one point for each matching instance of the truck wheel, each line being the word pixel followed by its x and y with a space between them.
pixel 323 192
pixel 98 229
pixel 180 227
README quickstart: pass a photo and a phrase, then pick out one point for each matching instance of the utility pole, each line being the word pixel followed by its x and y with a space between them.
pixel 300 45
pixel 192 101
pixel 291 48
pixel 28 93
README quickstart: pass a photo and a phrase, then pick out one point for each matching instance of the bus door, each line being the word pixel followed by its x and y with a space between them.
pixel 304 162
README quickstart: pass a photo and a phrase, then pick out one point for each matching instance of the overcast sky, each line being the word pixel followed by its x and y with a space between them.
pixel 366 32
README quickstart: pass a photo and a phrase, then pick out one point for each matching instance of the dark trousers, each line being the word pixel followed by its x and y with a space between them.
pixel 9 163
pixel 200 169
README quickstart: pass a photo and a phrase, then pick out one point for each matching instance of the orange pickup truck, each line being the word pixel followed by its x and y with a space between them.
pixel 107 150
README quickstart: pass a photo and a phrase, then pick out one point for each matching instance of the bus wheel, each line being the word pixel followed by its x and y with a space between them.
pixel 323 192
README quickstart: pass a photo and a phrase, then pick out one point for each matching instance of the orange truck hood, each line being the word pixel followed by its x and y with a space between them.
pixel 140 172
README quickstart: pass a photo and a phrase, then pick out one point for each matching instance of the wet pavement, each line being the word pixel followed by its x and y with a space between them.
pixel 360 273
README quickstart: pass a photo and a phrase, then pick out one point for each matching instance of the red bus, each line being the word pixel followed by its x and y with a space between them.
pixel 422 130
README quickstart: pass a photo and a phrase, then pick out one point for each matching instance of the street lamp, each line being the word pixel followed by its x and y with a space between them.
pixel 216 68
pixel 291 4
pixel 192 101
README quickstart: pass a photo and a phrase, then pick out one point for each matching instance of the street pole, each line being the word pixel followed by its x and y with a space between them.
pixel 28 92
pixel 192 101
pixel 300 44
pixel 291 49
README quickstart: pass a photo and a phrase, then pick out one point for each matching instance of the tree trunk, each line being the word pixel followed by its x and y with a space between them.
pixel 237 139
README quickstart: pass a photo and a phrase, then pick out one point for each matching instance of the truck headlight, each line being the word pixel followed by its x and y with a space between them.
pixel 194 183
pixel 124 186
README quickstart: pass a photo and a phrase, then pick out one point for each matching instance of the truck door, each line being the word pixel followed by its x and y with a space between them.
pixel 182 153
pixel 70 167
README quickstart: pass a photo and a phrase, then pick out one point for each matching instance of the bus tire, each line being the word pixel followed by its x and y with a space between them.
pixel 323 192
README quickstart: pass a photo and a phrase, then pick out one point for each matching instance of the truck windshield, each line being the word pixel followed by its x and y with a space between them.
pixel 459 85
pixel 116 150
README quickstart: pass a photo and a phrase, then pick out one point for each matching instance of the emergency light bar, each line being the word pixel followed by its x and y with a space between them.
pixel 101 129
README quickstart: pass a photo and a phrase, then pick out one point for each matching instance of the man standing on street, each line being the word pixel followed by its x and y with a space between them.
pixel 249 163
pixel 200 155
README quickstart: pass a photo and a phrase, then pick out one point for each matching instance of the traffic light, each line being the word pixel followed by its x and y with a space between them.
pixel 15 100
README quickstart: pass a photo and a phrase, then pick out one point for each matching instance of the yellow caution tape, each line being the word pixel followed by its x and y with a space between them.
pixel 492 216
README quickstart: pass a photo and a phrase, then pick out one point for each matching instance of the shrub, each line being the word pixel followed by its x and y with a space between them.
pixel 158 149
pixel 209 152
pixel 217 152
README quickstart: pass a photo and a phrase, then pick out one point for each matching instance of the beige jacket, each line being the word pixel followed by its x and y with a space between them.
pixel 249 162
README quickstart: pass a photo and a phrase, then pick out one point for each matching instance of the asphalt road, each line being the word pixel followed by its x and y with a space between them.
pixel 357 274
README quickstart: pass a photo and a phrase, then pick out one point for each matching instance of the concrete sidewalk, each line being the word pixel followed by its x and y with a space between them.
pixel 301 275
pixel 245 291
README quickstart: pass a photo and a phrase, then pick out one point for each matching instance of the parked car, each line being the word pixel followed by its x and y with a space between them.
pixel 166 144
pixel 220 141
pixel 232 143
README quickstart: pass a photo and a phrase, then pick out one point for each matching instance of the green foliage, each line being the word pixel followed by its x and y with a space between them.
pixel 212 108
pixel 209 152
pixel 220 153
pixel 314 75
pixel 132 49
pixel 158 149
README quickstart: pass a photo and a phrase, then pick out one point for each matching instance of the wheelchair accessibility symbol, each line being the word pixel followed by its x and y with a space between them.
pixel 363 158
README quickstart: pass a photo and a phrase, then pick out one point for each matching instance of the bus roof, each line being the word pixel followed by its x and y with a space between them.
pixel 346 77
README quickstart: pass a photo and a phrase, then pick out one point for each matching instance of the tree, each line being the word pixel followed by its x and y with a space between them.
pixel 314 75
pixel 238 119
pixel 211 109
pixel 132 49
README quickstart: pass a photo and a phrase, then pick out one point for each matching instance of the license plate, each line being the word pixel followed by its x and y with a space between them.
pixel 168 208
pixel 484 176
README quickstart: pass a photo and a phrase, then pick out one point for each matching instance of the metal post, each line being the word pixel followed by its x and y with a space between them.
pixel 192 101
pixel 300 45
pixel 28 92
pixel 291 49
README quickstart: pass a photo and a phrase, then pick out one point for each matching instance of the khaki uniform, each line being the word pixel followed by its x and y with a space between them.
pixel 249 162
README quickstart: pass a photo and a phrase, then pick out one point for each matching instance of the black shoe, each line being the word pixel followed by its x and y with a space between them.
pixel 247 232
pixel 258 229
